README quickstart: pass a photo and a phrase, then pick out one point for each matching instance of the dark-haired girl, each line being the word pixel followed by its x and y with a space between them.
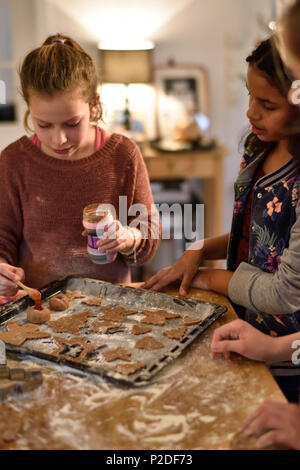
pixel 263 247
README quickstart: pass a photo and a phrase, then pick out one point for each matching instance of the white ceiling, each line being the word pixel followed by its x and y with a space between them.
pixel 108 19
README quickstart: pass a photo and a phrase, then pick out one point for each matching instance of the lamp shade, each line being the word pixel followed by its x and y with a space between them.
pixel 126 66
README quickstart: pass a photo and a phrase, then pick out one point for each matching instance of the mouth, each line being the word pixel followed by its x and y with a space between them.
pixel 62 151
pixel 257 130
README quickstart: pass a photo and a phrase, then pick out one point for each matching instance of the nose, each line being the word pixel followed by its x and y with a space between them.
pixel 253 112
pixel 59 137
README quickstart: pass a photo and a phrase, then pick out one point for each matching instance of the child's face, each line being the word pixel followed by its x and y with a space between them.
pixel 269 112
pixel 62 124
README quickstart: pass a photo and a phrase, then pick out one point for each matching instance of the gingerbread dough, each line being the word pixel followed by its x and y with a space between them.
pixel 92 301
pixel 128 369
pixel 59 302
pixel 118 353
pixel 71 323
pixel 140 330
pixel 74 294
pixel 65 345
pixel 18 334
pixel 176 333
pixel 187 320
pixel 104 326
pixel 157 317
pixel 148 342
pixel 38 316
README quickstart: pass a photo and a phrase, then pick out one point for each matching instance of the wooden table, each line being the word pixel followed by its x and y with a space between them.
pixel 194 403
pixel 206 165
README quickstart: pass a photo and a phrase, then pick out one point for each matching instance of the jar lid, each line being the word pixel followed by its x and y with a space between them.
pixel 95 212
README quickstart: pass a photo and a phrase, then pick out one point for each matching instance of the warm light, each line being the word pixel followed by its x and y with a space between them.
pixel 125 45
pixel 141 101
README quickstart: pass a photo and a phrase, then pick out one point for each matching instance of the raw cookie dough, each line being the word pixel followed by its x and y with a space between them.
pixel 148 342
pixel 187 320
pixel 118 353
pixel 140 330
pixel 59 303
pixel 18 334
pixel 71 323
pixel 92 301
pixel 128 369
pixel 38 316
pixel 175 333
pixel 66 344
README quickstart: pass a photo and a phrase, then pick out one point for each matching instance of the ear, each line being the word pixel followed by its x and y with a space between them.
pixel 94 105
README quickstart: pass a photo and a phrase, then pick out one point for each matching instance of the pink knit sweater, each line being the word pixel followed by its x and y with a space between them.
pixel 41 204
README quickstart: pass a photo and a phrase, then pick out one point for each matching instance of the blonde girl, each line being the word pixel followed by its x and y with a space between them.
pixel 67 163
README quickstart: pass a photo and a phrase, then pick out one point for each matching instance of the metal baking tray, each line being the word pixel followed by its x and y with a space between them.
pixel 112 296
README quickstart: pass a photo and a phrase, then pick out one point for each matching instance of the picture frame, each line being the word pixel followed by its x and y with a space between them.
pixel 182 91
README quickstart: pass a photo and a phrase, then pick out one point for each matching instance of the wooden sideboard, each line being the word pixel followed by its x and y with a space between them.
pixel 206 165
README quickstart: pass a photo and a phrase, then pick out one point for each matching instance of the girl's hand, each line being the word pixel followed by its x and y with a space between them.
pixel 279 423
pixel 240 337
pixel 116 238
pixel 185 268
pixel 9 288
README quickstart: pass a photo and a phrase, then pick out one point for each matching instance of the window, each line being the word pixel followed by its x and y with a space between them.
pixel 7 105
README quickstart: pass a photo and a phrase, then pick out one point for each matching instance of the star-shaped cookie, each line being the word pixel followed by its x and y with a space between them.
pixel 18 334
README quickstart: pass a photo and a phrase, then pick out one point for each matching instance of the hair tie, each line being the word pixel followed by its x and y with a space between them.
pixel 58 40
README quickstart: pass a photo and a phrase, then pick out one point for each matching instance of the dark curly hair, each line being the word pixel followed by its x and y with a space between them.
pixel 267 59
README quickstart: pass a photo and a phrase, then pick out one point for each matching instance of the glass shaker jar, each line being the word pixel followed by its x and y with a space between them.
pixel 95 218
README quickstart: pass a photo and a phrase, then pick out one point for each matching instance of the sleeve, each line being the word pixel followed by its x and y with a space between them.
pixel 143 214
pixel 11 219
pixel 275 294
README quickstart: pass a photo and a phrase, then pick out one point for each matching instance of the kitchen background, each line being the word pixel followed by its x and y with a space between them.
pixel 211 38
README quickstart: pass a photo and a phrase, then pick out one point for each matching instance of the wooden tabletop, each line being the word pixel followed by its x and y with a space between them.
pixel 196 402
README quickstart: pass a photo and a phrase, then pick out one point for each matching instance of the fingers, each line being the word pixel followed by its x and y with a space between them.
pixel 186 282
pixel 160 280
pixel 277 421
pixel 116 238
pixel 7 283
pixel 230 331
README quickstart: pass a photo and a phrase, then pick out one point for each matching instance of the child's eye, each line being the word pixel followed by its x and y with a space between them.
pixel 73 124
pixel 268 108
pixel 43 126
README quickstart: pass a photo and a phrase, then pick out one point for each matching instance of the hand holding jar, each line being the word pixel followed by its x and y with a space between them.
pixel 119 238
pixel 107 236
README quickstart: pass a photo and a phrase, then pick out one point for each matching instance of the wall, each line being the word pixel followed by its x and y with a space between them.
pixel 23 39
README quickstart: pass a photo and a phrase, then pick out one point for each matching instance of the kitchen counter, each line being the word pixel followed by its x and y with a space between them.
pixel 196 402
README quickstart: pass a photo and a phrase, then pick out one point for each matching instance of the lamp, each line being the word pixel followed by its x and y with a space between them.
pixel 126 66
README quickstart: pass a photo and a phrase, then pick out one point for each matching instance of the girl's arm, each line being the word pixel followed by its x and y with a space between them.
pixel 186 267
pixel 271 293
pixel 242 338
pixel 216 247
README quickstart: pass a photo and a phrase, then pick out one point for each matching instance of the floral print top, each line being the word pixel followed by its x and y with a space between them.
pixel 273 215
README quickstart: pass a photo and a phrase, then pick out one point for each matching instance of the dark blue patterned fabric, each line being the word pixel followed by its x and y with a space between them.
pixel 273 214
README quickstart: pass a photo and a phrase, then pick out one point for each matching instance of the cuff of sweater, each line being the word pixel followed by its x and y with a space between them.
pixel 239 288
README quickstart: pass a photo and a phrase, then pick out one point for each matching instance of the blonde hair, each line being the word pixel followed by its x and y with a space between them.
pixel 60 64
pixel 288 34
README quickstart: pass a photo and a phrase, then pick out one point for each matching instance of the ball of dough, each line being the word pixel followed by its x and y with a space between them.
pixel 59 302
pixel 38 316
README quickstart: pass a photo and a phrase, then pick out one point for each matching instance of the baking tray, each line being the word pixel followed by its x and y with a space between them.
pixel 112 296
